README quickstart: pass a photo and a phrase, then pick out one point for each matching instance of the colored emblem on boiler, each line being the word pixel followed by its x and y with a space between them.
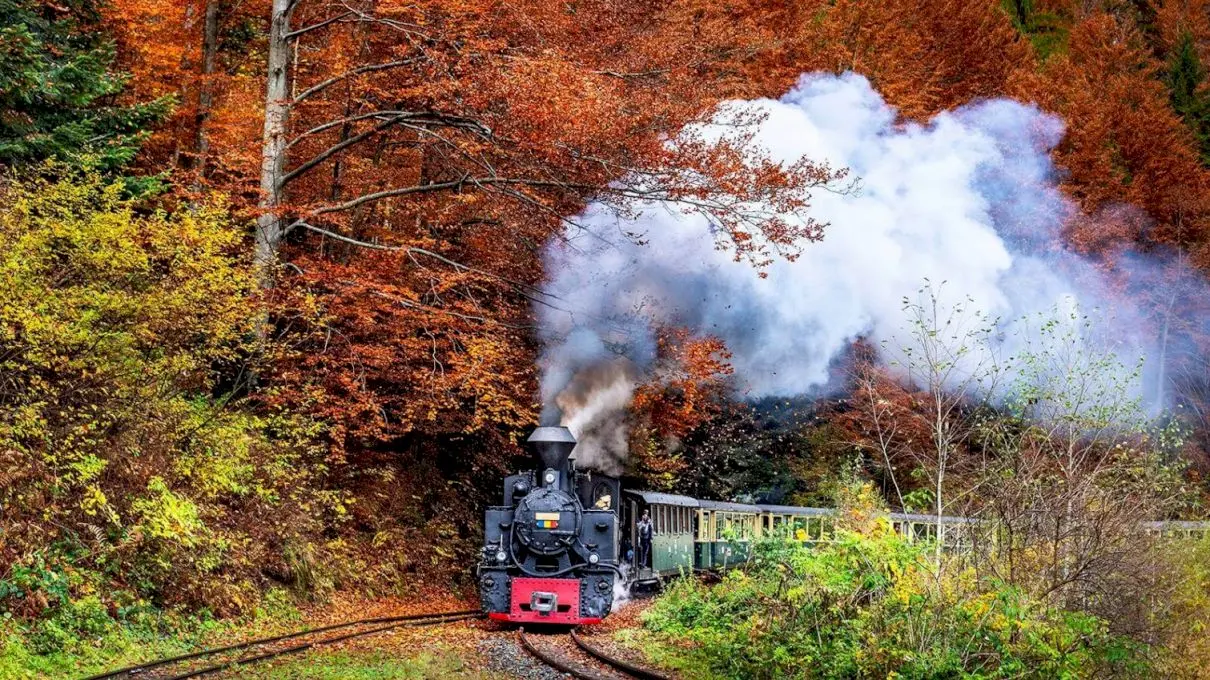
pixel 547 520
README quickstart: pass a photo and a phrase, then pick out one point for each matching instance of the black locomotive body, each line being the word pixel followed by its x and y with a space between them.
pixel 550 552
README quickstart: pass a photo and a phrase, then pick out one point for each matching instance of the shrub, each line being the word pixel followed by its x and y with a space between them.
pixel 1185 618
pixel 873 605
pixel 131 471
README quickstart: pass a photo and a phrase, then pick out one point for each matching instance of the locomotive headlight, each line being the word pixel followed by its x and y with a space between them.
pixel 501 556
pixel 594 558
pixel 550 477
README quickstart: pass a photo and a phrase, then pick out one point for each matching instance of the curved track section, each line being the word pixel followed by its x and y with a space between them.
pixel 624 666
pixel 616 667
pixel 141 670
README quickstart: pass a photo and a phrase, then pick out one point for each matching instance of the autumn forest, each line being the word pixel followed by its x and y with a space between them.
pixel 284 284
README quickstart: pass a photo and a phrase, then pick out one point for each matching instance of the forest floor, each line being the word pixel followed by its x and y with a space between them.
pixel 476 649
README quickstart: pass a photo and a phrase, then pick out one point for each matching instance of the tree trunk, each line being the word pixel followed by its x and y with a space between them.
pixel 1162 364
pixel 205 97
pixel 273 146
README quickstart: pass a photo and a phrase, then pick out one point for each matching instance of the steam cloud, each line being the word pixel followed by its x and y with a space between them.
pixel 969 198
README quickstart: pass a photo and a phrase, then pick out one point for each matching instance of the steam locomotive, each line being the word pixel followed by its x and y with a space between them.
pixel 550 552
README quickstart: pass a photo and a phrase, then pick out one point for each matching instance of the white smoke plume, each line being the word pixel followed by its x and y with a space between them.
pixel 969 198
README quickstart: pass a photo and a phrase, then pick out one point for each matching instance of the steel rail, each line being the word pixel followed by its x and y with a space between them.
pixel 143 667
pixel 551 660
pixel 563 666
pixel 625 666
pixel 317 643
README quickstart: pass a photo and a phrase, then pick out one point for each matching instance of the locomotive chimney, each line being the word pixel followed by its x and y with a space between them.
pixel 552 445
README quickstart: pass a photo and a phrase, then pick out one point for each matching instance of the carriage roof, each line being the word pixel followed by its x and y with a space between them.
pixel 657 498
pixel 729 507
pixel 795 510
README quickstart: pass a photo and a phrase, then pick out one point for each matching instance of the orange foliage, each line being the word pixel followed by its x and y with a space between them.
pixel 1128 146
pixel 427 332
pixel 1172 17
pixel 688 388
pixel 688 384
pixel 449 140
pixel 925 57
pixel 160 44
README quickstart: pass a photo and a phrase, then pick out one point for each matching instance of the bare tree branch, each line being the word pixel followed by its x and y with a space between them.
pixel 391 193
pixel 351 119
pixel 630 76
pixel 292 35
pixel 524 289
pixel 368 68
pixel 337 148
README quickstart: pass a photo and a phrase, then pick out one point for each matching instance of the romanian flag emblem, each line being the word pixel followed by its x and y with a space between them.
pixel 547 520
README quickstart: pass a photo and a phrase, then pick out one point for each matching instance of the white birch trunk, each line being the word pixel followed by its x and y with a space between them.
pixel 273 147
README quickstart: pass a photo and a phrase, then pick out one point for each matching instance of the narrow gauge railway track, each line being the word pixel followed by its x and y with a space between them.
pixel 563 664
pixel 375 625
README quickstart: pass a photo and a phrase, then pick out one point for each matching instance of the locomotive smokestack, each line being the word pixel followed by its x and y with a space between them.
pixel 552 445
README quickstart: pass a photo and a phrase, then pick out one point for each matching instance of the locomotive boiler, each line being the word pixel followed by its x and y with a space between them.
pixel 550 552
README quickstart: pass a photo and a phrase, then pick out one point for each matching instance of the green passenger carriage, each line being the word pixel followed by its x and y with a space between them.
pixel 672 543
pixel 724 533
pixel 692 534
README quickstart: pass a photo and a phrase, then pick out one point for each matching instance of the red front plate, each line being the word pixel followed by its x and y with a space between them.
pixel 567 602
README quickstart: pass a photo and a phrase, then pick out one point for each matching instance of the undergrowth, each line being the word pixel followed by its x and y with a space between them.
pixel 83 637
pixel 872 604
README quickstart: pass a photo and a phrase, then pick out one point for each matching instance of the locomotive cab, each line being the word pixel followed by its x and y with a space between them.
pixel 550 549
